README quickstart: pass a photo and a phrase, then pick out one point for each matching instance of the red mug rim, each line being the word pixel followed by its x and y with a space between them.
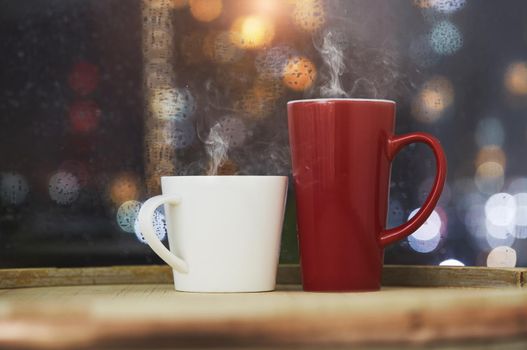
pixel 325 100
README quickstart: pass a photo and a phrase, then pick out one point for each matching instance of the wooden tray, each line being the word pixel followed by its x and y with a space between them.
pixel 136 307
pixel 393 275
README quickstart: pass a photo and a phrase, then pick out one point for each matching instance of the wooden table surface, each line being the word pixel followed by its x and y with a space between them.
pixel 155 316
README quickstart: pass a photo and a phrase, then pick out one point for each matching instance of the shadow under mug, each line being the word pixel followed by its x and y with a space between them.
pixel 223 231
pixel 342 150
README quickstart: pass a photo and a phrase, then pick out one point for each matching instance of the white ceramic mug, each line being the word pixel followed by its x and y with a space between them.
pixel 223 231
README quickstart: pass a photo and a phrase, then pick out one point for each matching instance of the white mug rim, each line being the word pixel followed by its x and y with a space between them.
pixel 222 176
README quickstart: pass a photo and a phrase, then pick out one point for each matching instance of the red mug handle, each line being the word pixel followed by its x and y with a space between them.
pixel 395 144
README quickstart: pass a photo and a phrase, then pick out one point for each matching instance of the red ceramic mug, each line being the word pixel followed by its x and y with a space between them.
pixel 342 151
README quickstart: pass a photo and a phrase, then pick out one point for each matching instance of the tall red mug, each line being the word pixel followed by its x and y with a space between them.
pixel 342 150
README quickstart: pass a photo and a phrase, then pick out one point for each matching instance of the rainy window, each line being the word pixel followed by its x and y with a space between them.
pixel 101 98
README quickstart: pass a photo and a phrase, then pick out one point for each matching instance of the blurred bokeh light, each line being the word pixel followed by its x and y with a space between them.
pixel 206 10
pixel 127 215
pixel 491 153
pixel 84 78
pixel 445 38
pixel 489 177
pixel 502 257
pixel 427 237
pixel 124 187
pixel 500 209
pixel 489 131
pixel 84 116
pixel 78 168
pixel 451 262
pixel 159 224
pixel 299 73
pixel 13 188
pixel 436 95
pixel 63 188
pixel 252 32
pixel 516 78
pixel 447 6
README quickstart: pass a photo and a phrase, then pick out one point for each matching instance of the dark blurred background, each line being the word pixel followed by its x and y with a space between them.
pixel 83 81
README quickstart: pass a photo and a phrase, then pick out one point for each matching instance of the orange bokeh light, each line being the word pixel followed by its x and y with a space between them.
pixel 489 177
pixel 491 153
pixel 436 95
pixel 516 78
pixel 299 73
pixel 123 188
pixel 206 10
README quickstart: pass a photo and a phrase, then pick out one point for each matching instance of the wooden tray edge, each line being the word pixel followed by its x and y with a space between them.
pixel 393 275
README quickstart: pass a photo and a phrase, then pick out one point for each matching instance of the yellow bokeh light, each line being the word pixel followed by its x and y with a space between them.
pixel 436 95
pixel 443 86
pixel 428 106
pixel 299 73
pixel 309 15
pixel 267 6
pixel 489 177
pixel 433 101
pixel 252 32
pixel 123 188
pixel 206 10
pixel 491 153
pixel 490 170
pixel 516 78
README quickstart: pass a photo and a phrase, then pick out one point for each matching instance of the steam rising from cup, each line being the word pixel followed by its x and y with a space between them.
pixel 352 68
pixel 216 147
pixel 332 54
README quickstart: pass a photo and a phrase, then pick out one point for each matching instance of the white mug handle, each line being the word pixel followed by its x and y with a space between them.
pixel 145 217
